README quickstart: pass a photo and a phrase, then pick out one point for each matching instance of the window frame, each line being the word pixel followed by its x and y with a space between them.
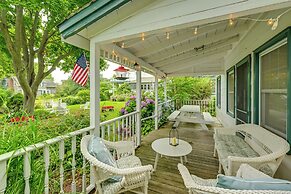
pixel 218 104
pixel 232 69
pixel 261 54
pixel 282 35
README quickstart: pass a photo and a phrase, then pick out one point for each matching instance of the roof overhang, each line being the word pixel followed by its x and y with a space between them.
pixel 183 53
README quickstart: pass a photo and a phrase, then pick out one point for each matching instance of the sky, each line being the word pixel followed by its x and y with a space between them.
pixel 60 75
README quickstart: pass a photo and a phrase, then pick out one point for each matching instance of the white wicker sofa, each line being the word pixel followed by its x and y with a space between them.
pixel 251 144
pixel 195 184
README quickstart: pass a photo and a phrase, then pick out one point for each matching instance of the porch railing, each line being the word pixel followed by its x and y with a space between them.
pixel 121 128
pixel 205 105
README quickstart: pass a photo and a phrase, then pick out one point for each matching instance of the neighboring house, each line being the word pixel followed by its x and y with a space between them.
pixel 147 84
pixel 46 86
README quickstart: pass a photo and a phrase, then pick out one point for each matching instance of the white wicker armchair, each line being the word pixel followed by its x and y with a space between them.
pixel 134 175
pixel 196 184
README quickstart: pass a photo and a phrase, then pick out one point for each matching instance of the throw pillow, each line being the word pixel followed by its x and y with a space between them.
pixel 98 149
pixel 231 182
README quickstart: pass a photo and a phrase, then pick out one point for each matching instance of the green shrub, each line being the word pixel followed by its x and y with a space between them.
pixel 120 98
pixel 4 96
pixel 42 114
pixel 72 100
pixel 147 126
pixel 15 103
pixel 84 95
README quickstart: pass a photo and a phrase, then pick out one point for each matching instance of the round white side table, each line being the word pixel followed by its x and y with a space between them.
pixel 162 147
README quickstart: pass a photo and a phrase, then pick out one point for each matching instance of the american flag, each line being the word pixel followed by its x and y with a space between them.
pixel 80 72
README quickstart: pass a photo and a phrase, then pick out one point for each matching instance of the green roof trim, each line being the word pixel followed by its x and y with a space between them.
pixel 88 15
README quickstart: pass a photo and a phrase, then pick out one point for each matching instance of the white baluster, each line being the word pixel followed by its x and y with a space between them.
pixel 126 127
pixel 73 185
pixel 103 132
pixel 122 129
pixel 26 172
pixel 61 157
pixel 118 129
pixel 46 155
pixel 3 176
pixel 114 130
pixel 130 124
pixel 108 132
pixel 84 172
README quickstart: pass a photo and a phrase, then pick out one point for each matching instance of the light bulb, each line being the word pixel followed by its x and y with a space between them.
pixel 168 35
pixel 270 21
pixel 122 45
pixel 230 21
pixel 142 36
pixel 196 31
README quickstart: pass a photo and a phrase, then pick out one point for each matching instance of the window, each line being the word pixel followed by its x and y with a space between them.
pixel 218 91
pixel 273 88
pixel 230 91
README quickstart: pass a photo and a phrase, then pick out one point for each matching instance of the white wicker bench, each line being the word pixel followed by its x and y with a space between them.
pixel 208 118
pixel 250 144
pixel 195 184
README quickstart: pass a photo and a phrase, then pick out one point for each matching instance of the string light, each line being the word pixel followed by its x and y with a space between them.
pixel 168 35
pixel 196 31
pixel 231 22
pixel 142 36
pixel 270 21
pixel 122 45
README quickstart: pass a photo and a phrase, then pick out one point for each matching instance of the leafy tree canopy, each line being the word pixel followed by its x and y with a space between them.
pixel 32 44
pixel 184 88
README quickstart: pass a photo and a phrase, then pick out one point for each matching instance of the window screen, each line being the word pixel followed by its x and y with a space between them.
pixel 273 90
pixel 230 92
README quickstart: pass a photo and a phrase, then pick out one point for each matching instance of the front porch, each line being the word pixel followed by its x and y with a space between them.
pixel 166 179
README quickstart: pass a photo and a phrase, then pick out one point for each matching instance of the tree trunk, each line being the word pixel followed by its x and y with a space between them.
pixel 28 103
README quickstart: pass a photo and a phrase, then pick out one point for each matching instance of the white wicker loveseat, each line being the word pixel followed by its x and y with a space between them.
pixel 251 144
pixel 196 184
pixel 134 175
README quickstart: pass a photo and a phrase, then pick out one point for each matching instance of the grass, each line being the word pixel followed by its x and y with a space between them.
pixel 106 115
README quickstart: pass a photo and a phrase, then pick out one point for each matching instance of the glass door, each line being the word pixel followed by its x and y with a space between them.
pixel 243 91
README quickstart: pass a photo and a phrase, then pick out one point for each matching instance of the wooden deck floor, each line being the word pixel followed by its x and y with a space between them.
pixel 201 162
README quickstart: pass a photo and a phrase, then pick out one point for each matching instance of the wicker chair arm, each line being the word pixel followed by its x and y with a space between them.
pixel 225 131
pixel 134 170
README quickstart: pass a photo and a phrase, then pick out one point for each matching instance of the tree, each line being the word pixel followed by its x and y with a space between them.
pixel 123 89
pixel 31 37
pixel 184 88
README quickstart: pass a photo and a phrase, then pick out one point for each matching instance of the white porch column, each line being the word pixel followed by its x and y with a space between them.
pixel 138 107
pixel 165 91
pixel 94 97
pixel 95 87
pixel 156 103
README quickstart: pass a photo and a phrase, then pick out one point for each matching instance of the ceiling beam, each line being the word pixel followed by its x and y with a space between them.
pixel 209 43
pixel 192 62
pixel 125 53
pixel 184 32
pixel 190 55
pixel 190 36
pixel 218 72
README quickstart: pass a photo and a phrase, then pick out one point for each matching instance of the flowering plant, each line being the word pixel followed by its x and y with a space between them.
pixel 147 107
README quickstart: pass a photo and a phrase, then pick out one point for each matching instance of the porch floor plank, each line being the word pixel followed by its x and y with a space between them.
pixel 201 162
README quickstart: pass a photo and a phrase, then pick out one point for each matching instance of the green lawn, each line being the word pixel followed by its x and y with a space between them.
pixel 106 115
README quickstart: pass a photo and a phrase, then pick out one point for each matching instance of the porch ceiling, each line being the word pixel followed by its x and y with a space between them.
pixel 183 52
